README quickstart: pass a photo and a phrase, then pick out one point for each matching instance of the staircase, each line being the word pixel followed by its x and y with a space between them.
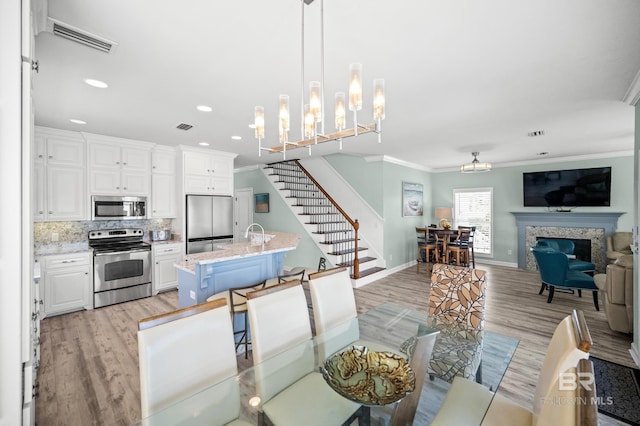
pixel 335 233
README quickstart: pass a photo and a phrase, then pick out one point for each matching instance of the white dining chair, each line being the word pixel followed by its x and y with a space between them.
pixel 291 389
pixel 467 401
pixel 335 313
pixel 184 351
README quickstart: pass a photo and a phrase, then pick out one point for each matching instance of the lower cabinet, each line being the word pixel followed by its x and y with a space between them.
pixel 67 283
pixel 165 274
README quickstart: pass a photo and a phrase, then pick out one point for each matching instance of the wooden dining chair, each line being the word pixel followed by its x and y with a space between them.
pixel 292 391
pixel 569 347
pixel 183 352
pixel 428 243
pixel 237 301
pixel 470 239
pixel 458 250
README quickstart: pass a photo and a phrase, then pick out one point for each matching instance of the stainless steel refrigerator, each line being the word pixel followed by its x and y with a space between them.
pixel 209 222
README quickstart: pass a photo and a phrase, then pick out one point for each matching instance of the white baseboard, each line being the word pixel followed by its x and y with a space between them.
pixel 635 354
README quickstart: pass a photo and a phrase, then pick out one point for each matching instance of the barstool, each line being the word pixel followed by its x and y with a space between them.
pixel 237 301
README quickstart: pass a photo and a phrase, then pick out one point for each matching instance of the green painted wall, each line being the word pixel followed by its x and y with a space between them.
pixel 507 196
pixel 380 184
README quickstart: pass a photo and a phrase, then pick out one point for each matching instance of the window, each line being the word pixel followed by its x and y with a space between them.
pixel 473 207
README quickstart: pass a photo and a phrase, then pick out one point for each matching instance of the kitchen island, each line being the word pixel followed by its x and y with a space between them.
pixel 232 265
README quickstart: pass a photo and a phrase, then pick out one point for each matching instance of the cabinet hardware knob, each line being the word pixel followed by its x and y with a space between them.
pixel 40 156
pixel 125 188
pixel 50 157
pixel 40 212
pixel 50 212
pixel 35 66
pixel 86 273
pixel 124 164
pixel 117 187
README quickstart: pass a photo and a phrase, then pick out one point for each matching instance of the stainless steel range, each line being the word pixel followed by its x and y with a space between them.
pixel 121 266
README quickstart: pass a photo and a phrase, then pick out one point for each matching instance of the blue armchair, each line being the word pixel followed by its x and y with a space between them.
pixel 554 271
pixel 567 247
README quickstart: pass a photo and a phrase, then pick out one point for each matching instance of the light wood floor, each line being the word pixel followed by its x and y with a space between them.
pixel 89 360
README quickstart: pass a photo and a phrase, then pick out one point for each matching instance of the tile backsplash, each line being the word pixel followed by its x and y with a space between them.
pixel 77 232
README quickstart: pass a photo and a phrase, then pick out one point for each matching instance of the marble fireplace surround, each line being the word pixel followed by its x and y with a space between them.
pixel 573 225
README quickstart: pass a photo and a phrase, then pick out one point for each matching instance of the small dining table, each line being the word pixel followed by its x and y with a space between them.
pixel 239 399
pixel 444 235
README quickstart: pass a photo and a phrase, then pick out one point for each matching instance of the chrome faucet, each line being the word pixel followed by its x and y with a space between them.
pixel 246 233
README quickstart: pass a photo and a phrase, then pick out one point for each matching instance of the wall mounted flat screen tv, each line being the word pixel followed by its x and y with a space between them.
pixel 568 188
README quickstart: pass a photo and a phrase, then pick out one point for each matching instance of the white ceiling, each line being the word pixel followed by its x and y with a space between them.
pixel 461 75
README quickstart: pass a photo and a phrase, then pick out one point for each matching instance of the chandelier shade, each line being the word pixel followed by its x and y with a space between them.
pixel 475 166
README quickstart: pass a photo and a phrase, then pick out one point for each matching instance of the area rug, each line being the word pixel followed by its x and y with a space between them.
pixel 618 390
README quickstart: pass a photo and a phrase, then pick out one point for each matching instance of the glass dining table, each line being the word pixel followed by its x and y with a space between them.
pixel 239 399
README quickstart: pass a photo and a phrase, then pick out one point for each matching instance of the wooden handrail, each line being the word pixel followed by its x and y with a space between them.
pixel 354 223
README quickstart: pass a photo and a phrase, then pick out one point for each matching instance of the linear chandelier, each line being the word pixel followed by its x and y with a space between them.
pixel 313 113
pixel 475 166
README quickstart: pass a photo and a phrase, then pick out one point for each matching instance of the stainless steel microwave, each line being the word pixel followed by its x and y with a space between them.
pixel 118 208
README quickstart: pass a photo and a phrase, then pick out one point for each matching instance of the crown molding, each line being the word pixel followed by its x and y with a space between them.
pixel 393 160
pixel 246 168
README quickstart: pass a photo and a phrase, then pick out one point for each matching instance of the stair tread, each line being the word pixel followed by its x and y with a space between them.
pixel 362 260
pixel 345 240
pixel 325 222
pixel 347 251
pixel 370 271
pixel 336 231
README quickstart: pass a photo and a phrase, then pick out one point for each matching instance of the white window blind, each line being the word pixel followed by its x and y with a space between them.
pixel 473 207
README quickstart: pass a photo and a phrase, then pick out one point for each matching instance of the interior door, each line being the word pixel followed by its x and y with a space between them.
pixel 243 211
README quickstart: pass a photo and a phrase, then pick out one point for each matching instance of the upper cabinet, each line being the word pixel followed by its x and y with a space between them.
pixel 163 182
pixel 119 166
pixel 208 172
pixel 59 191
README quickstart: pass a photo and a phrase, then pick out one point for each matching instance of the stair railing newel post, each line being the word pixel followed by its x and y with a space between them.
pixel 356 261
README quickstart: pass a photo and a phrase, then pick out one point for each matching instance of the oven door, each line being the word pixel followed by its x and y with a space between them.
pixel 121 269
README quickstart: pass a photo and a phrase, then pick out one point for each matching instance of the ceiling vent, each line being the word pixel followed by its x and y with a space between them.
pixel 80 36
pixel 535 133
pixel 184 126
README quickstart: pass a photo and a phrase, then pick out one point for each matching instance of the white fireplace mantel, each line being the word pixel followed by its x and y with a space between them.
pixel 606 220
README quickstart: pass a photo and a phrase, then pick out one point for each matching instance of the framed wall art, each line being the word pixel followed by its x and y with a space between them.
pixel 412 194
pixel 261 203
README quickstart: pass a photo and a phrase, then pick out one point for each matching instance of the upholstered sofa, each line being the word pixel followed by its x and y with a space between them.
pixel 618 244
pixel 617 288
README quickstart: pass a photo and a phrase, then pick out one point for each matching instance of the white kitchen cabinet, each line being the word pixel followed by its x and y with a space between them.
pixel 163 182
pixel 208 173
pixel 119 170
pixel 67 283
pixel 163 196
pixel 165 274
pixel 59 191
pixel 195 184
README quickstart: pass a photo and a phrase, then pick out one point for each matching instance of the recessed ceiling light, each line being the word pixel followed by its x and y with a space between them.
pixel 236 138
pixel 76 121
pixel 203 143
pixel 252 126
pixel 96 83
pixel 204 108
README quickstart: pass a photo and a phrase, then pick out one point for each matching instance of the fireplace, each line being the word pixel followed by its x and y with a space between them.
pixel 574 226
pixel 582 249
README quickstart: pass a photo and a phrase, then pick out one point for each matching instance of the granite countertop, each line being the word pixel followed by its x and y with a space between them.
pixel 62 248
pixel 275 242
pixel 171 241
